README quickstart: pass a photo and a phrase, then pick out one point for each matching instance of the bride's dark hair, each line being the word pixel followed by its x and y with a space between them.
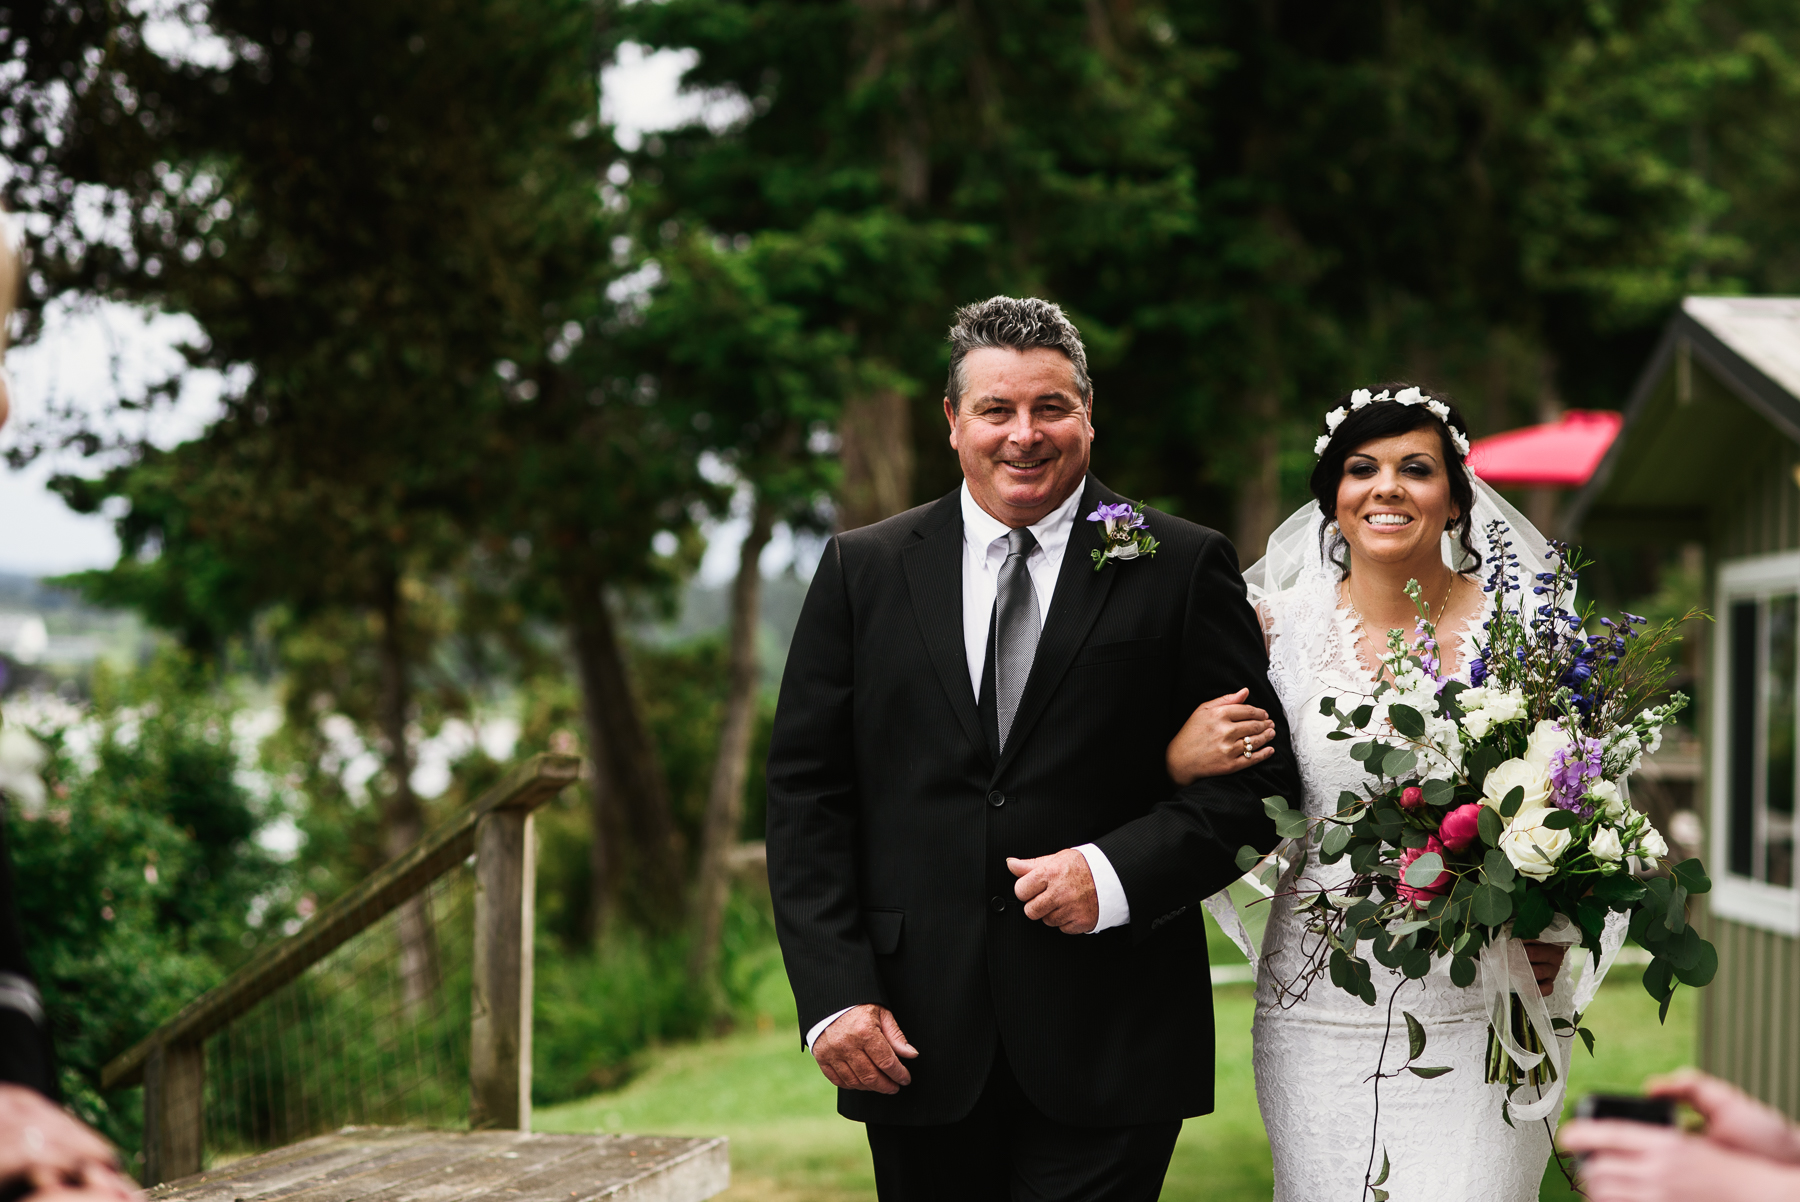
pixel 1385 419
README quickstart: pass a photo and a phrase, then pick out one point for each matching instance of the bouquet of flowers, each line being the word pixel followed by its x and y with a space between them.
pixel 1496 813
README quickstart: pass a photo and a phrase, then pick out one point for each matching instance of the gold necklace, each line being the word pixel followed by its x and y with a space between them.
pixel 1443 606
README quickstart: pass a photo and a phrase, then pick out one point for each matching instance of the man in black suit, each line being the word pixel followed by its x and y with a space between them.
pixel 986 886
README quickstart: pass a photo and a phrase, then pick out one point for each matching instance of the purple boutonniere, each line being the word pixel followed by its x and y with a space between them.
pixel 1127 534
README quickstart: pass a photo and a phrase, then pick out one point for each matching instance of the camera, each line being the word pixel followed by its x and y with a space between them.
pixel 1633 1109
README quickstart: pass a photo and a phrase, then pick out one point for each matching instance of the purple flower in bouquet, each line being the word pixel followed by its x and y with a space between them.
pixel 1478 671
pixel 1572 768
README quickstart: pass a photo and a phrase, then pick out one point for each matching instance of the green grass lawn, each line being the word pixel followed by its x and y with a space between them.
pixel 787 1143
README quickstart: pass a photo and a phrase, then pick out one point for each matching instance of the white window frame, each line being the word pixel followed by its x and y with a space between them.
pixel 1742 899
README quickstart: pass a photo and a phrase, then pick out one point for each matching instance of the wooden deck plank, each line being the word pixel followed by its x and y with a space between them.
pixel 268 1171
pixel 451 1167
pixel 663 1169
pixel 375 1164
pixel 361 1177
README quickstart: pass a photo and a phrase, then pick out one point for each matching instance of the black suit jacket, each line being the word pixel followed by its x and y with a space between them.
pixel 890 819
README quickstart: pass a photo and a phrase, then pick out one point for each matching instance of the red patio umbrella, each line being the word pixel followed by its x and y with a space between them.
pixel 1561 454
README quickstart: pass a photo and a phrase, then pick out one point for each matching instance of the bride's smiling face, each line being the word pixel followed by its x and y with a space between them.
pixel 1394 501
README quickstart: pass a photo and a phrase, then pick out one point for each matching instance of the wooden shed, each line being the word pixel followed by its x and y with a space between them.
pixel 1710 455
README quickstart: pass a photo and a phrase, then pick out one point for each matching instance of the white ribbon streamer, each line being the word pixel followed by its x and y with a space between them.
pixel 1506 978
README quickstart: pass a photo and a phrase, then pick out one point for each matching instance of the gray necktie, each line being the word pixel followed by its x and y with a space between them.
pixel 1016 628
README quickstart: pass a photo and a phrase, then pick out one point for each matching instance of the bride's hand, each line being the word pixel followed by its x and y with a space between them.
pixel 1211 743
pixel 1546 960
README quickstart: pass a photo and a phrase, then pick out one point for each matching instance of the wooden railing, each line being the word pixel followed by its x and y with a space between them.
pixel 497 829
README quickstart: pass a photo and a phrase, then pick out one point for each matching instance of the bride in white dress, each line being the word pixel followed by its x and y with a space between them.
pixel 1395 502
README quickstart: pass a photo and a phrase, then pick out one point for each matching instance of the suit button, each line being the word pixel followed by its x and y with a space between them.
pixel 997 904
pixel 996 799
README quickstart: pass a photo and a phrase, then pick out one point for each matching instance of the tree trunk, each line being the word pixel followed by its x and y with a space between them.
pixel 875 442
pixel 402 819
pixel 1259 492
pixel 631 775
pixel 725 797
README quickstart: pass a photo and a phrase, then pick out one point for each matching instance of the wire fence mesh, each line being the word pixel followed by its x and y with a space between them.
pixel 375 1033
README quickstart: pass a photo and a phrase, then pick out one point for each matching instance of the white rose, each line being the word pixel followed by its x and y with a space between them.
pixel 1508 775
pixel 1334 419
pixel 1533 847
pixel 1475 698
pixel 1611 803
pixel 1546 740
pixel 1409 396
pixel 1477 723
pixel 1360 397
pixel 1651 844
pixel 1606 845
pixel 1320 443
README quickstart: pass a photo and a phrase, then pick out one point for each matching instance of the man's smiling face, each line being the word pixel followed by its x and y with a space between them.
pixel 1022 432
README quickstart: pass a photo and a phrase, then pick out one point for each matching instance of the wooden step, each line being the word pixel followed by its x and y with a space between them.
pixel 399 1164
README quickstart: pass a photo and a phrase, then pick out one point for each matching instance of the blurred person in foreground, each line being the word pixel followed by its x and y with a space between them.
pixel 44 1153
pixel 1748 1151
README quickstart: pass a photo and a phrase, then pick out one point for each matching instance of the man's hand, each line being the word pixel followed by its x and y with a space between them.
pixel 1638 1162
pixel 40 1142
pixel 1058 891
pixel 862 1049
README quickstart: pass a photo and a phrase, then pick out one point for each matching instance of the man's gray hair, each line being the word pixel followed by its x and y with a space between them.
pixel 1017 323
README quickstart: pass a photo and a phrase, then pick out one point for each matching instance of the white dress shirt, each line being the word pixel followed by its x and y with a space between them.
pixel 984 551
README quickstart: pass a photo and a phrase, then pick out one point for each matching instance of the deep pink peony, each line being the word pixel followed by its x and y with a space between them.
pixel 1414 894
pixel 1412 797
pixel 1460 826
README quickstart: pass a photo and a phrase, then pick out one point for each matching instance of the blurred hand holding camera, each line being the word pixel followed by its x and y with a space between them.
pixel 1747 1151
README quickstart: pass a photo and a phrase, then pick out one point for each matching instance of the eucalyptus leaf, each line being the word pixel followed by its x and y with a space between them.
pixel 1407 720
pixel 1337 838
pixel 1491 826
pixel 1492 906
pixel 1415 1036
pixel 1427 1073
pixel 1384 1169
pixel 1439 792
pixel 1248 858
pixel 1560 820
pixel 1362 714
pixel 1706 967
pixel 1497 869
pixel 1462 972
pixel 1290 824
pixel 1513 800
pixel 1425 870
pixel 1275 807
pixel 1693 878
pixel 1399 763
pixel 1362 751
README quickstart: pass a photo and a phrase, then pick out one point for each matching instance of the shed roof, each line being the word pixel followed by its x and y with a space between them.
pixel 1726 371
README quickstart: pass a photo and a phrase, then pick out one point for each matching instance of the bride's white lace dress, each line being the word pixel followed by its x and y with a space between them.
pixel 1444 1137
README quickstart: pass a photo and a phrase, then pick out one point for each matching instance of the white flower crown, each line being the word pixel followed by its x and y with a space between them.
pixel 1406 396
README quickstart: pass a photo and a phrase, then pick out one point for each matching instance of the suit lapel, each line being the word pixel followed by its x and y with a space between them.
pixel 933 567
pixel 1080 594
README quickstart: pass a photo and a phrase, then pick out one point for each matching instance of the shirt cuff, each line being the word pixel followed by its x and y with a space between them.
pixel 812 1036
pixel 1115 910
